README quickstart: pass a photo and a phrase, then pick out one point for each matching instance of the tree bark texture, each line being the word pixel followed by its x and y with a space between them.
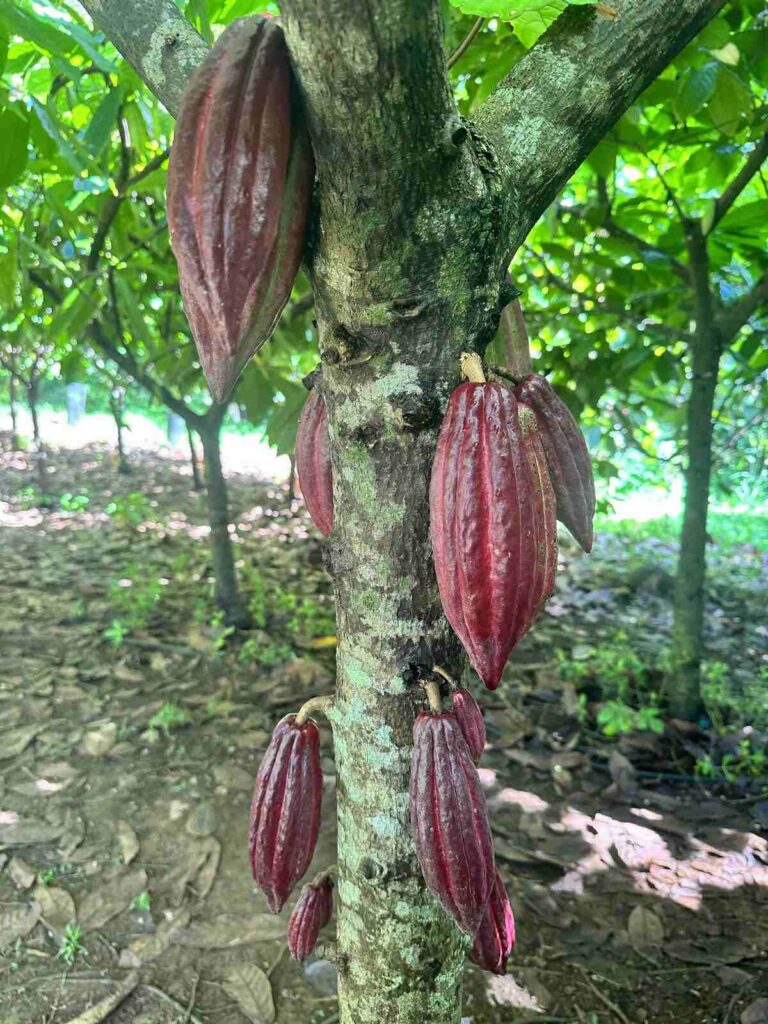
pixel 417 215
pixel 690 583
pixel 225 578
pixel 197 481
pixel 14 412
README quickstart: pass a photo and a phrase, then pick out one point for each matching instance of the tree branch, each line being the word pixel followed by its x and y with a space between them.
pixel 156 39
pixel 563 96
pixel 751 166
pixel 734 316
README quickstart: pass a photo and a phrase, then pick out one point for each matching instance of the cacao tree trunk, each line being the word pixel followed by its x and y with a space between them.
pixel 222 555
pixel 32 394
pixel 14 412
pixel 684 690
pixel 117 405
pixel 292 480
pixel 197 481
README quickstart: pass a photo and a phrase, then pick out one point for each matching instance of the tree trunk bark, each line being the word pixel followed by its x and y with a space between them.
pixel 14 412
pixel 292 481
pixel 690 586
pixel 227 593
pixel 32 393
pixel 197 481
pixel 116 405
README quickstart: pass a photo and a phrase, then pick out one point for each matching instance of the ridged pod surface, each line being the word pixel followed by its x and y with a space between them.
pixel 471 721
pixel 495 938
pixel 239 188
pixel 312 912
pixel 565 450
pixel 492 522
pixel 449 819
pixel 313 462
pixel 285 812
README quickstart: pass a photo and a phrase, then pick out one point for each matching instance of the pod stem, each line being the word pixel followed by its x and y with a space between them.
pixel 472 367
pixel 321 704
pixel 433 696
pixel 515 336
pixel 441 672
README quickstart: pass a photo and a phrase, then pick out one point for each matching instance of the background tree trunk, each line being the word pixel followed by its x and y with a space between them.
pixel 684 688
pixel 197 480
pixel 227 593
pixel 117 405
pixel 14 412
pixel 33 386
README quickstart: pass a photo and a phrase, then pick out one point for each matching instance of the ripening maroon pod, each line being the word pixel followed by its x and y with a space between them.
pixel 492 520
pixel 312 912
pixel 495 938
pixel 239 189
pixel 567 457
pixel 285 812
pixel 471 721
pixel 449 816
pixel 313 461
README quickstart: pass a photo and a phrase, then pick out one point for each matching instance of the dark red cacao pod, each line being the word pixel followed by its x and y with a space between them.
pixel 239 188
pixel 565 450
pixel 312 912
pixel 495 938
pixel 313 462
pixel 285 812
pixel 471 722
pixel 492 521
pixel 449 819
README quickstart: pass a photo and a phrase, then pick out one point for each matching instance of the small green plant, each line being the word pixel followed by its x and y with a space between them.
pixel 169 717
pixel 221 632
pixel 47 876
pixel 131 510
pixel 133 598
pixel 705 767
pixel 29 497
pixel 142 902
pixel 116 632
pixel 74 502
pixel 265 653
pixel 71 947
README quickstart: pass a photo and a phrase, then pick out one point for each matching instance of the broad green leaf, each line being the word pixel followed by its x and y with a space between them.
pixel 603 158
pixel 73 315
pixel 9 272
pixel 694 89
pixel 14 131
pixel 510 10
pixel 197 12
pixel 104 122
pixel 730 101
pixel 49 123
pixel 36 29
pixel 3 47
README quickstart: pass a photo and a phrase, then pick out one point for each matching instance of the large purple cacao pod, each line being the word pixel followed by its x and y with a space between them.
pixel 312 912
pixel 239 188
pixel 568 461
pixel 495 938
pixel 313 462
pixel 285 812
pixel 471 721
pixel 492 521
pixel 449 819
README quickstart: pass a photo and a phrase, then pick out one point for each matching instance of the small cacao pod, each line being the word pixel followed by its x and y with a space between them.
pixel 313 462
pixel 449 819
pixel 471 721
pixel 285 812
pixel 565 450
pixel 492 523
pixel 312 912
pixel 239 188
pixel 495 937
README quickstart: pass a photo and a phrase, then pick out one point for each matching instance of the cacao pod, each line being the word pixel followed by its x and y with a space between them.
pixel 492 522
pixel 495 938
pixel 565 450
pixel 449 819
pixel 285 813
pixel 312 912
pixel 471 722
pixel 239 188
pixel 313 462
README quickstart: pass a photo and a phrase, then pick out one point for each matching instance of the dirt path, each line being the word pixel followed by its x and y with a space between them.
pixel 125 777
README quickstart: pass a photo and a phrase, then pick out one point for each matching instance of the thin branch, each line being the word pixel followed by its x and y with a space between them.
pixel 148 168
pixel 750 168
pixel 561 98
pixel 734 316
pixel 462 48
pixel 618 231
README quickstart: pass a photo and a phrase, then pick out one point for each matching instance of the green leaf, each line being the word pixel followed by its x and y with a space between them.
pixel 103 122
pixel 197 12
pixel 603 158
pixel 37 30
pixel 730 101
pixel 49 123
pixel 3 47
pixel 529 17
pixel 9 272
pixel 14 131
pixel 694 89
pixel 73 315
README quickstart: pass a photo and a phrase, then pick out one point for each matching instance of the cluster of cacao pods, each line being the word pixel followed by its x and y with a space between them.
pixel 508 464
pixel 239 188
pixel 451 831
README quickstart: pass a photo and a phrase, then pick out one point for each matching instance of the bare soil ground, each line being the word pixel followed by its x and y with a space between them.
pixel 126 764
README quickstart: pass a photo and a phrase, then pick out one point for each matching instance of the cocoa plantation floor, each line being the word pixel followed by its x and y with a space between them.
pixel 132 722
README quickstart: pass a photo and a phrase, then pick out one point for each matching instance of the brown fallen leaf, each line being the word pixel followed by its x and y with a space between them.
pixel 145 948
pixel 57 908
pixel 249 986
pixel 21 873
pixel 98 1013
pixel 228 930
pixel 127 840
pixel 17 922
pixel 110 899
pixel 645 928
pixel 755 1013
